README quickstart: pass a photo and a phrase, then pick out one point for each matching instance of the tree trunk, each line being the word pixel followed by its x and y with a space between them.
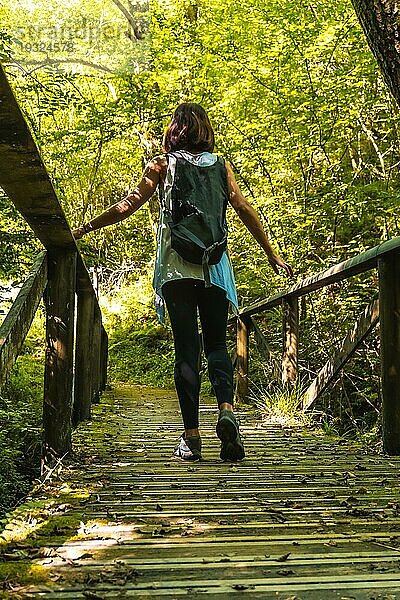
pixel 381 24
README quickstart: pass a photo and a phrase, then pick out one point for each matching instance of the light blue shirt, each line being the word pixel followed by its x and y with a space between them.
pixel 169 265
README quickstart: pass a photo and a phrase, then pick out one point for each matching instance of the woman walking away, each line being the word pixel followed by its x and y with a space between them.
pixel 193 272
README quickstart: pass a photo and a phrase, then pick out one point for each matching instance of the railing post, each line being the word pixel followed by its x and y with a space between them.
pixel 58 375
pixel 83 356
pixel 104 358
pixel 290 308
pixel 389 314
pixel 242 359
pixel 96 355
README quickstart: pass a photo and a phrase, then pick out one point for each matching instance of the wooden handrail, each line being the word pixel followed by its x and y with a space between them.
pixel 23 175
pixel 353 266
pixel 16 325
pixel 25 180
pixel 364 325
pixel 386 258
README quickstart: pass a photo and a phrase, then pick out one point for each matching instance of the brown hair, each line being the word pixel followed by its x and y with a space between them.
pixel 189 129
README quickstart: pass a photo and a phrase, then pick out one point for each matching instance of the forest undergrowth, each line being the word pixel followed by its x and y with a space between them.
pixel 21 406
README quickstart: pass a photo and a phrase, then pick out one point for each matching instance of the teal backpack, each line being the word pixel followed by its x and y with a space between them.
pixel 197 220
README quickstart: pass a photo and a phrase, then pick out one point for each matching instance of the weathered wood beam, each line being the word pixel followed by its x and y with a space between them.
pixel 103 359
pixel 83 357
pixel 25 180
pixel 242 359
pixel 96 356
pixel 359 264
pixel 389 308
pixel 351 342
pixel 290 309
pixel 23 175
pixel 83 281
pixel 58 375
pixel 16 325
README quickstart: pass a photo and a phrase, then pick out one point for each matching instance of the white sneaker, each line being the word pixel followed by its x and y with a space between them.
pixel 189 449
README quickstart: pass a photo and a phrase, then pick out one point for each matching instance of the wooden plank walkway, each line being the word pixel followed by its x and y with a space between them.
pixel 302 517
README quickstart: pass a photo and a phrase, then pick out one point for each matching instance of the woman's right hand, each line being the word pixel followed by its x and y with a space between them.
pixel 276 261
pixel 78 233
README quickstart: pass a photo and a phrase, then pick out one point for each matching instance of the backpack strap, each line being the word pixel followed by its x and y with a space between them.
pixel 206 266
pixel 166 195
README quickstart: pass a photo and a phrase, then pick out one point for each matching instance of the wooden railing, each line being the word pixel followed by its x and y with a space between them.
pixel 385 309
pixel 76 342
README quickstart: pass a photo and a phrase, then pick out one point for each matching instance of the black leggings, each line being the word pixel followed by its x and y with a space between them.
pixel 182 298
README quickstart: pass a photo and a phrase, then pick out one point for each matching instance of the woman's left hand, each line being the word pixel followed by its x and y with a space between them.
pixel 276 261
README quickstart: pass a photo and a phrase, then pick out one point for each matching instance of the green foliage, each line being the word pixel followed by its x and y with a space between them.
pixel 21 403
pixel 282 404
pixel 144 356
pixel 141 351
pixel 17 242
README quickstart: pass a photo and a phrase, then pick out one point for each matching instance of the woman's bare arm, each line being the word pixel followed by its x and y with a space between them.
pixel 131 203
pixel 250 218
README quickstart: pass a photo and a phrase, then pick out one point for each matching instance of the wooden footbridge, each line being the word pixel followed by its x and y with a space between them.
pixel 114 516
pixel 302 516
